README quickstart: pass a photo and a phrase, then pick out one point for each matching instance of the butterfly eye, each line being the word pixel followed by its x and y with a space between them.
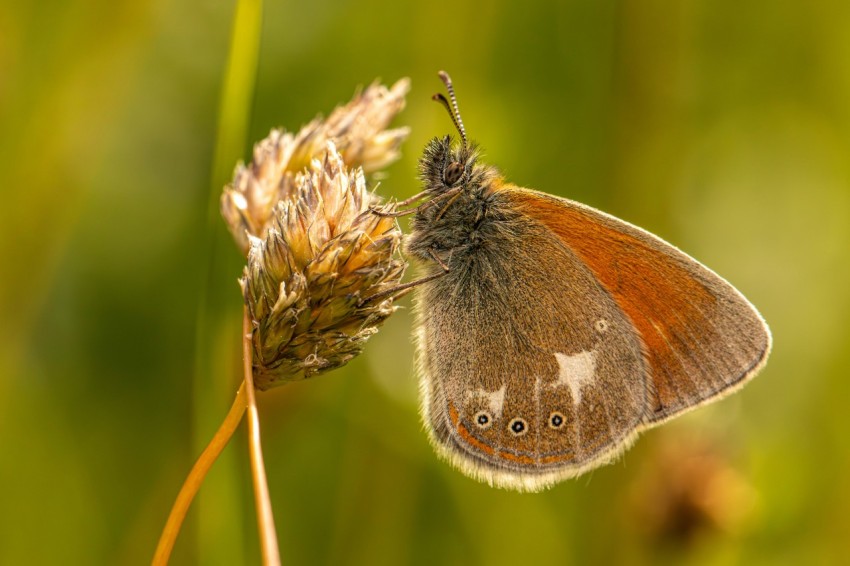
pixel 556 420
pixel 518 427
pixel 483 420
pixel 453 173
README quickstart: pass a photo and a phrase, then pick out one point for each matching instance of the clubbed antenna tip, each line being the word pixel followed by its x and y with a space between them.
pixel 452 108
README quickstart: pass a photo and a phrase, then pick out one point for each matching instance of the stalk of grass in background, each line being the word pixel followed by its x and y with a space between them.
pixel 221 504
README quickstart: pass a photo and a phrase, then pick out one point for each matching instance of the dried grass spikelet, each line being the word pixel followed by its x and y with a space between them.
pixel 300 212
pixel 307 281
pixel 359 131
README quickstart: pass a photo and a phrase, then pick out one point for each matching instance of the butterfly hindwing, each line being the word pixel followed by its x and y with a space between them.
pixel 530 371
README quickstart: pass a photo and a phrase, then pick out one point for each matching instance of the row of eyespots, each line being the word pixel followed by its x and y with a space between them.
pixel 517 426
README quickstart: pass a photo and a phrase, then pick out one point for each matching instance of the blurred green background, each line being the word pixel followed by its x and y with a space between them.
pixel 722 126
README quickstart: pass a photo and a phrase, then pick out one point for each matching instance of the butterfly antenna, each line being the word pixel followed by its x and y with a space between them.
pixel 452 108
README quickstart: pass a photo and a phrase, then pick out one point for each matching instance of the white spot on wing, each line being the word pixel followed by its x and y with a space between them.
pixel 495 400
pixel 575 371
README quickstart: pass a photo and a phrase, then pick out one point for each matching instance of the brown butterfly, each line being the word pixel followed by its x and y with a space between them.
pixel 549 333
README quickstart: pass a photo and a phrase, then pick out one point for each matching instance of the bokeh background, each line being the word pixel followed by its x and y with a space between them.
pixel 722 126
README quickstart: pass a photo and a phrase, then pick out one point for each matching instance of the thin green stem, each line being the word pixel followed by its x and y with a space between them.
pixel 215 540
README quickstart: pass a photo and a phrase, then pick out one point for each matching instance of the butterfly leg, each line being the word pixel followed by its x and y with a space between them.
pixel 446 207
pixel 412 199
pixel 405 202
pixel 397 213
pixel 440 262
pixel 405 288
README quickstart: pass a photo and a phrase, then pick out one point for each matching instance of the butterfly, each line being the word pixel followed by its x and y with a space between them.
pixel 549 333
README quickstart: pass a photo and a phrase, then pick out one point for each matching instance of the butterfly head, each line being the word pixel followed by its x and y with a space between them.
pixel 448 225
pixel 446 164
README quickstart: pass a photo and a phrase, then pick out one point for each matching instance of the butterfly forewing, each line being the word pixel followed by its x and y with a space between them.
pixel 701 336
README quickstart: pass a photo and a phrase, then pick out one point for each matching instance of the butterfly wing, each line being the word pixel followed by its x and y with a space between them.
pixel 530 370
pixel 566 333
